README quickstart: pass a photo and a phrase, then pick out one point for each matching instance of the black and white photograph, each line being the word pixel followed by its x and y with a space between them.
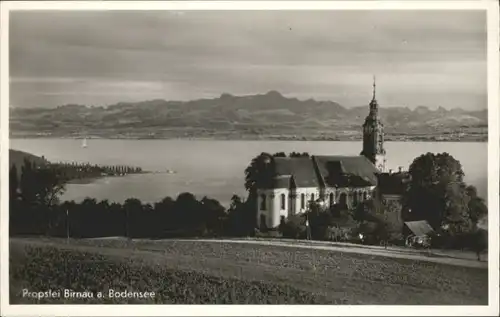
pixel 271 155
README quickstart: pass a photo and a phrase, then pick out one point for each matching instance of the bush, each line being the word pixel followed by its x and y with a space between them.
pixel 272 233
pixel 294 227
pixel 339 234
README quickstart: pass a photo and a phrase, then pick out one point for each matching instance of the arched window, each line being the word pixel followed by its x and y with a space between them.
pixel 283 201
pixel 302 201
pixel 263 202
pixel 355 199
pixel 312 197
pixel 331 199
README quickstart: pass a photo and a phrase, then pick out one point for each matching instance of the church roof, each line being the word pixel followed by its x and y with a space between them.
pixel 300 168
pixel 321 171
pixel 353 171
pixel 282 181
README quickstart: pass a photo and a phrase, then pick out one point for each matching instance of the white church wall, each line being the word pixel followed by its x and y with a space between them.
pixel 349 193
pixel 273 209
pixel 310 193
pixel 279 207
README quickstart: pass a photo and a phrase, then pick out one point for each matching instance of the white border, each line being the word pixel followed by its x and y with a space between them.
pixel 262 310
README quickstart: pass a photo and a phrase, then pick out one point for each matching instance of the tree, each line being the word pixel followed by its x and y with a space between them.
pixel 165 204
pixel 241 217
pixel 456 210
pixel 371 222
pixel 477 206
pixel 322 220
pixel 479 241
pixel 214 215
pixel 294 227
pixel 367 210
pixel 164 211
pixel 279 154
pixel 40 188
pixel 298 154
pixel 66 211
pixel 259 172
pixel 13 184
pixel 40 185
pixel 382 232
pixel 436 191
pixel 132 208
pixel 26 182
pixel 188 214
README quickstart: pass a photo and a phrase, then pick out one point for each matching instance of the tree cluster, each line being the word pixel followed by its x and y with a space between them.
pixel 437 193
pixel 35 210
pixel 71 171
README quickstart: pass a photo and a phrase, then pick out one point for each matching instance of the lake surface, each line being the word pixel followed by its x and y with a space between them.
pixel 216 168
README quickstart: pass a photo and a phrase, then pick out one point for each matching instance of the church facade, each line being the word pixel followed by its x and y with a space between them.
pixel 333 180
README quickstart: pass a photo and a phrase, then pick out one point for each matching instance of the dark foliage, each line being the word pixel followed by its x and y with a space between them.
pixel 294 227
pixel 75 171
pixel 36 210
pixel 438 194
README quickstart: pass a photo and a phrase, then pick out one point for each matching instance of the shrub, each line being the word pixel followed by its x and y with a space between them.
pixel 294 227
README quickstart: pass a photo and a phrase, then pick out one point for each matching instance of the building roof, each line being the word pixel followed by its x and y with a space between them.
pixel 283 181
pixel 419 228
pixel 354 171
pixel 300 168
pixel 335 171
pixel 393 183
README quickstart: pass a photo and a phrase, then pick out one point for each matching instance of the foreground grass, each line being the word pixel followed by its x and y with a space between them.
pixel 192 272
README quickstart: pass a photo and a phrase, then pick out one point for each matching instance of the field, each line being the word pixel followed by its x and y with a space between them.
pixel 193 272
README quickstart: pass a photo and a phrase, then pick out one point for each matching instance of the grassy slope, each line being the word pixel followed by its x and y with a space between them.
pixel 17 158
pixel 247 274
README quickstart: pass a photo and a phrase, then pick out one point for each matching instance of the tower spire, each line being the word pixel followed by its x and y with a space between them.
pixel 373 134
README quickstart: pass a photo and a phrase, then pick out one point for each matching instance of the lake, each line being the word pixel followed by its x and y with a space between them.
pixel 215 168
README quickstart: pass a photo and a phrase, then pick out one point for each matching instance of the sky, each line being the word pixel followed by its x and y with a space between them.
pixel 420 58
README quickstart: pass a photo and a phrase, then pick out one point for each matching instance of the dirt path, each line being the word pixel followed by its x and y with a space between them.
pixel 435 256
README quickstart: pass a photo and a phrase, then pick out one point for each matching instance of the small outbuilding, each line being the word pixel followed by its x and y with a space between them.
pixel 418 228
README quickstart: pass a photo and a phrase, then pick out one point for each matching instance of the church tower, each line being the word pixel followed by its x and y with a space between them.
pixel 373 136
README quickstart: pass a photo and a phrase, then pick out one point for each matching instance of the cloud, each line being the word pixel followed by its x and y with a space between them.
pixel 194 54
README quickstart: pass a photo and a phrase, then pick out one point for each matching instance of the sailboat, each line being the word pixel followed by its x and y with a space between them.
pixel 84 143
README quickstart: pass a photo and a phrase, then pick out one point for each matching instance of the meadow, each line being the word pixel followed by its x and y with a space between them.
pixel 195 272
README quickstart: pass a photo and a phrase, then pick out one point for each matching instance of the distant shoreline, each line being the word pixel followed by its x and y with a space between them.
pixel 479 138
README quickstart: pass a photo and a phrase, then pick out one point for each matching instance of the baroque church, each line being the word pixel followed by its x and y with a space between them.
pixel 333 180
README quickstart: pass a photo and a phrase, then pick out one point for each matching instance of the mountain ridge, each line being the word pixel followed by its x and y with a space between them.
pixel 269 114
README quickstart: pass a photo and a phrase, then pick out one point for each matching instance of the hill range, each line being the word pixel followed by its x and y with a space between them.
pixel 263 116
